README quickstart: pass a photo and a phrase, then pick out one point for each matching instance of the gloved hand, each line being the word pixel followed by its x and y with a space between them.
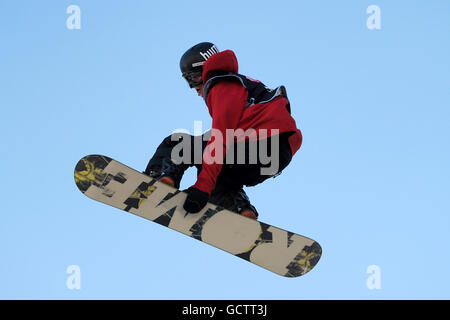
pixel 196 200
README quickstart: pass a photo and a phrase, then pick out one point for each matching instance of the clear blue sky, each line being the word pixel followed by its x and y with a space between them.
pixel 370 183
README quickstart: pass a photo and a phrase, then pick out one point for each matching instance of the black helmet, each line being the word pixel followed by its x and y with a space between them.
pixel 191 63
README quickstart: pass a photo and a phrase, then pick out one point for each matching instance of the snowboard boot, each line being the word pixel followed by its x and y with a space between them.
pixel 250 213
pixel 234 200
pixel 243 206
pixel 169 173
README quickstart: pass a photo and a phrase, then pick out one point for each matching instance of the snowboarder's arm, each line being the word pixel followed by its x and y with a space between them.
pixel 227 100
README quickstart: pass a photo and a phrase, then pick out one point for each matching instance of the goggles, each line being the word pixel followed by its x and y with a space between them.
pixel 193 78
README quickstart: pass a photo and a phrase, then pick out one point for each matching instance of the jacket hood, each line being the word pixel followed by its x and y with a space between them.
pixel 222 61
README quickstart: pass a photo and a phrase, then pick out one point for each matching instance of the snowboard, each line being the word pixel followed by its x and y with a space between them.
pixel 111 182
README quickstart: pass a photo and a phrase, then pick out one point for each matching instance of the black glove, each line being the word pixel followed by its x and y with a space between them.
pixel 196 200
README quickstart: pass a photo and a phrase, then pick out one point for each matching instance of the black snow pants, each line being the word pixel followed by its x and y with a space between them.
pixel 242 169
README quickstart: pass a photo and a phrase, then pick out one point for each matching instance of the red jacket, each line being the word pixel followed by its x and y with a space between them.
pixel 226 104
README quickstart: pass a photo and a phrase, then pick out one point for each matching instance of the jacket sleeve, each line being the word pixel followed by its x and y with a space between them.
pixel 226 102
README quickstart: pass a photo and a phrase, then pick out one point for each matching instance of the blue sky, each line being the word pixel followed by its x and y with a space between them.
pixel 370 183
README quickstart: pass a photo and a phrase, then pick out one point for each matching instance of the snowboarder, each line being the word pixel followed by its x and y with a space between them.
pixel 234 102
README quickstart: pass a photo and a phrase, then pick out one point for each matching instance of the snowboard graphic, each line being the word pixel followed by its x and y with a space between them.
pixel 285 253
